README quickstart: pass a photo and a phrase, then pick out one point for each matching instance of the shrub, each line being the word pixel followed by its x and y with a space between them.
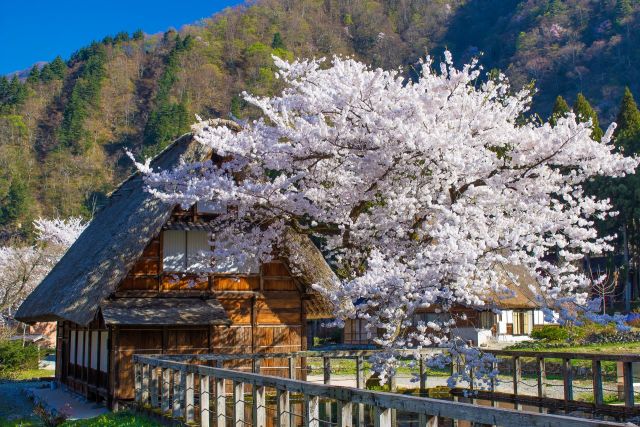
pixel 14 357
pixel 550 333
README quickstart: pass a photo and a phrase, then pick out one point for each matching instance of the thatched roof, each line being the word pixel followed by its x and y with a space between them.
pixel 108 248
pixel 517 294
pixel 164 311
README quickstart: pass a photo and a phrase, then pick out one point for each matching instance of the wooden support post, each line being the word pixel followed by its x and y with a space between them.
pixel 311 411
pixel 137 378
pixel 627 372
pixel 381 417
pixel 259 407
pixel 345 414
pixel 425 420
pixel 255 365
pixel 360 383
pixel 542 378
pixel 393 384
pixel 178 388
pixel 567 379
pixel 205 398
pixel 423 377
pixel 292 368
pixel 221 404
pixel 283 408
pixel 598 396
pixel 154 387
pixel 145 384
pixel 166 383
pixel 326 370
pixel 189 404
pixel 517 374
pixel 238 404
pixel 492 380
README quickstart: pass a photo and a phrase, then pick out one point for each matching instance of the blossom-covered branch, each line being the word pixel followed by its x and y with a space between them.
pixel 422 193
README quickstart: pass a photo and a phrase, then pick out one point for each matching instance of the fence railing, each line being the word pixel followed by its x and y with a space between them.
pixel 179 387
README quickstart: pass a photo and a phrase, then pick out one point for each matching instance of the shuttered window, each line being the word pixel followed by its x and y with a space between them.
pixel 94 349
pixel 186 251
pixel 104 351
pixel 72 347
pixel 80 349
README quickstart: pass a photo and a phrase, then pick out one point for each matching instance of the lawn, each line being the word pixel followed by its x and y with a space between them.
pixel 119 419
pixel 348 367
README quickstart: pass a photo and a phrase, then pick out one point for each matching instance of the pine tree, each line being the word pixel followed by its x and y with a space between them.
pixel 138 35
pixel 584 112
pixel 17 202
pixel 627 132
pixel 560 109
pixel 277 42
pixel 58 68
pixel 34 75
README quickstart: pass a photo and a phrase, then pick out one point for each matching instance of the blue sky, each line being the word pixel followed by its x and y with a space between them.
pixel 38 30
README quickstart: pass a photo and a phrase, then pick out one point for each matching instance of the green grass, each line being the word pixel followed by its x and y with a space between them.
pixel 348 367
pixel 118 419
pixel 21 423
pixel 613 348
pixel 28 374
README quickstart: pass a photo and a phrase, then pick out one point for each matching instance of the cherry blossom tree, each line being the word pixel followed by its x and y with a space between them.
pixel 420 194
pixel 22 267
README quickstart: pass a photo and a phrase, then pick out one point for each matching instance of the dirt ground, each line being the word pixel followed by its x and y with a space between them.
pixel 14 404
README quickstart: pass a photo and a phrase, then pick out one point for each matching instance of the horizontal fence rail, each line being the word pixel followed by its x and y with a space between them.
pixel 221 395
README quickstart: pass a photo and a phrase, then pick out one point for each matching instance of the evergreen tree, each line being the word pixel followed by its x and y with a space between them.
pixel 122 36
pixel 138 35
pixel 16 203
pixel 277 42
pixel 584 112
pixel 59 67
pixel 560 109
pixel 627 134
pixel 34 75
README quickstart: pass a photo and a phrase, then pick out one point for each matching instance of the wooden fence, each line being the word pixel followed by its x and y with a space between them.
pixel 175 386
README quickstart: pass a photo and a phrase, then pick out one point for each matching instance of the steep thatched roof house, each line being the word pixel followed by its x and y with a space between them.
pixel 126 287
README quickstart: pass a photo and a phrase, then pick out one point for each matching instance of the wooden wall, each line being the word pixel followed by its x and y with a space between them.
pixel 265 309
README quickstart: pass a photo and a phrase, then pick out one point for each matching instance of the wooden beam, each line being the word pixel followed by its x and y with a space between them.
pixel 178 376
pixel 517 373
pixel 360 383
pixel 221 404
pixel 137 379
pixel 423 376
pixel 166 384
pixel 283 403
pixel 326 370
pixel 381 417
pixel 311 414
pixel 345 414
pixel 154 387
pixel 259 407
pixel 292 367
pixel 145 384
pixel 542 377
pixel 238 404
pixel 627 372
pixel 598 395
pixel 205 398
pixel 567 379
pixel 189 404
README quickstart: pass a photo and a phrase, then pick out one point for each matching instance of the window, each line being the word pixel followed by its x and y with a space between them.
pixel 186 251
pixel 355 332
pixel 486 320
pixel 522 322
pixel 104 351
pixel 94 349
pixel 80 348
pixel 72 348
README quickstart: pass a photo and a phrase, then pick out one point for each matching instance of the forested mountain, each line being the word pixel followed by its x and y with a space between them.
pixel 63 130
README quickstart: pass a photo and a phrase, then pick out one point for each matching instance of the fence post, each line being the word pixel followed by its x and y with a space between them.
pixel 292 367
pixel 596 368
pixel 423 376
pixel 189 404
pixel 425 420
pixel 311 411
pixel 381 417
pixel 542 376
pixel 166 382
pixel 137 378
pixel 326 370
pixel 567 379
pixel 360 383
pixel 238 404
pixel 204 401
pixel 221 406
pixel 284 407
pixel 255 365
pixel 345 414
pixel 259 406
pixel 145 384
pixel 627 372
pixel 177 394
pixel 154 387
pixel 517 374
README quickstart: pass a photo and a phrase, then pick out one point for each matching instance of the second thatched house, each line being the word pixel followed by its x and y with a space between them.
pixel 127 286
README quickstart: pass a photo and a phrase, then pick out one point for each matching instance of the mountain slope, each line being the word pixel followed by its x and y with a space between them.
pixel 63 131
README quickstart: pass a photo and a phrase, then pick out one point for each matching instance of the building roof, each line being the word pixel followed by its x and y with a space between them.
pixel 164 311
pixel 517 294
pixel 108 248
